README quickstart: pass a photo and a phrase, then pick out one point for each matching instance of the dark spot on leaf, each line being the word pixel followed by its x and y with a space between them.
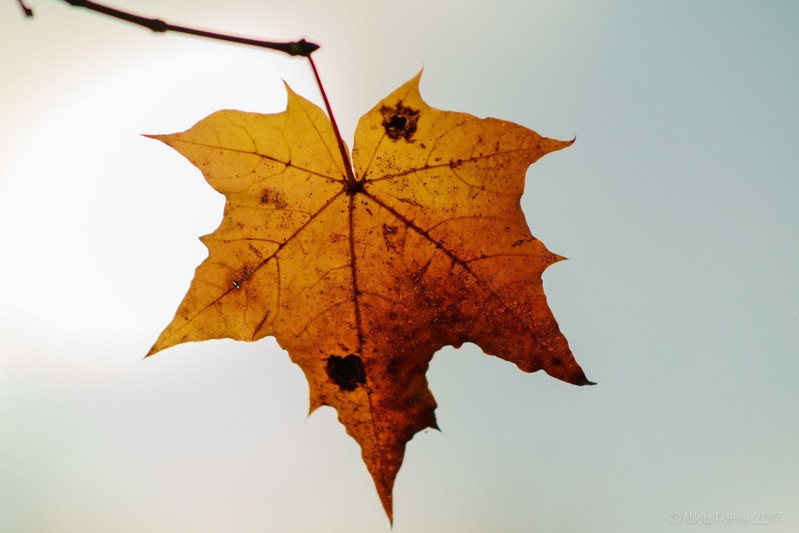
pixel 276 198
pixel 522 241
pixel 399 122
pixel 346 372
pixel 255 251
pixel 243 275
pixel 409 201
pixel 389 232
pixel 354 187
pixel 260 325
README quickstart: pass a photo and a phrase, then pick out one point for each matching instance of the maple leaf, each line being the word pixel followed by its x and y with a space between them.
pixel 363 276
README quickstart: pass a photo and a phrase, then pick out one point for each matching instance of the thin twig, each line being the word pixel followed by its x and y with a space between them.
pixel 25 9
pixel 297 48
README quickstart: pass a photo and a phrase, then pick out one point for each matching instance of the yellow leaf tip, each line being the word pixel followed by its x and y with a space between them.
pixel 412 84
pixel 163 137
pixel 154 350
pixel 292 97
pixel 287 86
pixel 417 79
pixel 315 404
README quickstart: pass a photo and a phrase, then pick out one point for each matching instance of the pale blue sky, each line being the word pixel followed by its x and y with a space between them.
pixel 677 207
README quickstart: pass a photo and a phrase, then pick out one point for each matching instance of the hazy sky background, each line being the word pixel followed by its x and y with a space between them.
pixel 677 206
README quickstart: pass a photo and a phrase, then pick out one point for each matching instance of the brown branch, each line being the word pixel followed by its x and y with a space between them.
pixel 297 48
pixel 25 9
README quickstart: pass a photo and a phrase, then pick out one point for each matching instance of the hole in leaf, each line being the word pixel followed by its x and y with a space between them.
pixel 346 372
pixel 399 122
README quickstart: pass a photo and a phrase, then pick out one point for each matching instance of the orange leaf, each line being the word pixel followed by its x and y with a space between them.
pixel 362 282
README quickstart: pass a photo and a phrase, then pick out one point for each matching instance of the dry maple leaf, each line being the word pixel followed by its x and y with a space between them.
pixel 362 278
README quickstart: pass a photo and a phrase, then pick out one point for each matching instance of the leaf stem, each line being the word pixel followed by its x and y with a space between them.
pixel 297 48
pixel 352 184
